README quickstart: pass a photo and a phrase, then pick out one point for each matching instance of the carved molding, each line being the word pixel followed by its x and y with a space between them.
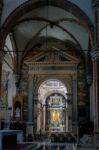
pixel 53 56
pixel 52 69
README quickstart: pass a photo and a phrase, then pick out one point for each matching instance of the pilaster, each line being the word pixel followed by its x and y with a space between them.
pixel 74 99
pixel 95 59
pixel 30 101
pixel 35 112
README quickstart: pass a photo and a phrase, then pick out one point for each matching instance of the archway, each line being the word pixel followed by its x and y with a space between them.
pixel 53 107
pixel 56 113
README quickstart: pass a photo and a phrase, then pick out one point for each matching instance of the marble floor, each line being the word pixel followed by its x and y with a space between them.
pixel 50 146
pixel 62 146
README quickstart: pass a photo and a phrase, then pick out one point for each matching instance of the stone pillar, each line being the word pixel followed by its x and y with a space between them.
pixel 74 105
pixel 44 116
pixel 95 59
pixel 30 107
pixel 66 120
pixel 30 100
pixel 74 99
pixel 35 112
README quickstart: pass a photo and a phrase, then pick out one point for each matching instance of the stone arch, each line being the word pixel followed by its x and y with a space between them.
pixel 49 93
pixel 30 5
pixel 54 91
pixel 61 79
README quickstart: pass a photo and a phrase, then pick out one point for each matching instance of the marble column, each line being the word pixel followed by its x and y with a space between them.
pixel 30 107
pixel 66 120
pixel 74 105
pixel 74 99
pixel 35 112
pixel 44 116
pixel 95 59
pixel 30 100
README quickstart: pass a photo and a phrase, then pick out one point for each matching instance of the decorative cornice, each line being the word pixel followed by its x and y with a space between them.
pixel 95 54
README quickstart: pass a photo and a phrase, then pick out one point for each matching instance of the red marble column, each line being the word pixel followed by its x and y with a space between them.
pixel 95 59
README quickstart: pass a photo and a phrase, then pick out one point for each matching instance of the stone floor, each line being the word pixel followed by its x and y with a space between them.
pixel 50 146
pixel 17 147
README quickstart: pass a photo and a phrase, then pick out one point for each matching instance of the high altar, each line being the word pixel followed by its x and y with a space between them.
pixel 56 113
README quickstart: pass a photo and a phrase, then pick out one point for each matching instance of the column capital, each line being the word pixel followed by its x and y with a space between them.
pixel 95 54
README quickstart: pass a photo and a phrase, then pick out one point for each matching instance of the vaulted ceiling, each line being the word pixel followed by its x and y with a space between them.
pixel 45 28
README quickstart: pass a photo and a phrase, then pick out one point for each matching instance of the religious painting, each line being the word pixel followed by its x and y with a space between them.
pixel 55 118
pixel 56 112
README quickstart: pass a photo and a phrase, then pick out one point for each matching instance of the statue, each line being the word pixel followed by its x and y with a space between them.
pixel 17 112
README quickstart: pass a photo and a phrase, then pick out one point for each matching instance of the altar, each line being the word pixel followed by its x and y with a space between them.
pixel 8 137
pixel 56 113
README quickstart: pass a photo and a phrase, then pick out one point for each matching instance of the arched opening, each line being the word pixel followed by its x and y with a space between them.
pixel 53 107
pixel 40 44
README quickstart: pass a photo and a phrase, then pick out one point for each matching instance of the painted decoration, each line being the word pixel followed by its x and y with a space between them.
pixel 56 112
